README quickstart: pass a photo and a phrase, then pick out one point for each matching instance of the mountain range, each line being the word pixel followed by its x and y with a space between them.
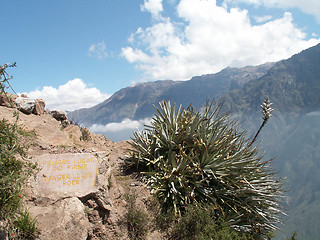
pixel 136 102
pixel 291 137
pixel 292 85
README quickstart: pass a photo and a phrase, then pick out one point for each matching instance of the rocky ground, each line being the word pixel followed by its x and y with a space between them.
pixel 94 214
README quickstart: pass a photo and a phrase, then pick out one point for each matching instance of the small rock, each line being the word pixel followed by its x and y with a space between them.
pixel 65 123
pixel 91 203
pixel 7 100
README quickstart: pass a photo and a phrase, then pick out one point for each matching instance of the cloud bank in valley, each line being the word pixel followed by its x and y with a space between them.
pixel 209 37
pixel 124 125
pixel 123 130
pixel 75 94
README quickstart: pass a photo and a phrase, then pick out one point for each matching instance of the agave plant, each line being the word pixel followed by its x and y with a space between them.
pixel 191 157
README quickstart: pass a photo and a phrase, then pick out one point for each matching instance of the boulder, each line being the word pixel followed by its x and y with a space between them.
pixel 63 219
pixel 39 107
pixel 59 115
pixel 29 105
pixel 25 105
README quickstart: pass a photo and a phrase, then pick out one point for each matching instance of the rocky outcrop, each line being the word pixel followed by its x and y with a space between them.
pixel 23 103
pixel 29 105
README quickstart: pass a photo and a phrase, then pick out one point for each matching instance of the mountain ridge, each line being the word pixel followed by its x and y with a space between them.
pixel 293 86
pixel 136 102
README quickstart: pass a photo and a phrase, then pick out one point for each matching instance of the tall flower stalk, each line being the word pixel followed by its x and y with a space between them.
pixel 266 114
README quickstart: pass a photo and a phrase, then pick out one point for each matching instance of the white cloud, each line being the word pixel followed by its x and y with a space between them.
pixel 261 19
pixel 71 96
pixel 134 55
pixel 313 114
pixel 209 38
pixel 124 125
pixel 98 50
pixel 120 130
pixel 307 6
pixel 152 6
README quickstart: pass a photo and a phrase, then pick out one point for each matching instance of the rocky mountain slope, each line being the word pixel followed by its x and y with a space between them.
pixel 136 102
pixel 91 214
pixel 292 84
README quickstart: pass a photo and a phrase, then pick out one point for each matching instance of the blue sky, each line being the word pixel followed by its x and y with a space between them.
pixel 76 53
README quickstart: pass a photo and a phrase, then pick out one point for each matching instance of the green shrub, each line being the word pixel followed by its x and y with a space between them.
pixel 26 227
pixel 11 169
pixel 198 223
pixel 4 78
pixel 135 219
pixel 162 221
pixel 13 174
pixel 188 158
pixel 85 134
